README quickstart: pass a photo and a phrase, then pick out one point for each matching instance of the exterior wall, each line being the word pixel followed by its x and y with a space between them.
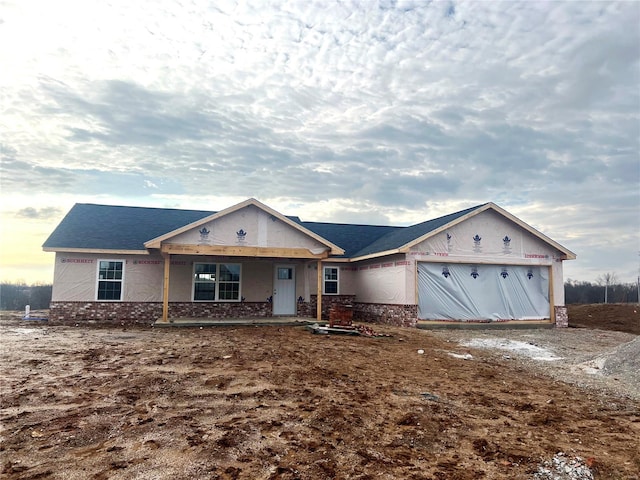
pixel 457 245
pixel 256 284
pixel 180 278
pixel 257 280
pixel 558 282
pixel 76 279
pixel 491 229
pixel 386 281
pixel 259 227
pixel 309 274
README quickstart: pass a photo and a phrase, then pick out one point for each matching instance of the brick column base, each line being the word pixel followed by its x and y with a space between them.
pixel 562 317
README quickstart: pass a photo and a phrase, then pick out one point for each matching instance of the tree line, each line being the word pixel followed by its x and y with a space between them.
pixel 15 296
pixel 601 291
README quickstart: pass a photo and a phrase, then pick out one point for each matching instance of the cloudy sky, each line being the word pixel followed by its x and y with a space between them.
pixel 382 112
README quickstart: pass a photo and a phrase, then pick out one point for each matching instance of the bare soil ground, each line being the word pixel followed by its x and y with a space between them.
pixel 622 317
pixel 282 403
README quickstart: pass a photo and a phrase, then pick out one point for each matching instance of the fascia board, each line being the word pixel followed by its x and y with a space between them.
pixel 375 255
pixel 96 250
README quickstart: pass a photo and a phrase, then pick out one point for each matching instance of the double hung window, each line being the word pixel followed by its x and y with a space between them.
pixel 110 279
pixel 216 281
pixel 330 281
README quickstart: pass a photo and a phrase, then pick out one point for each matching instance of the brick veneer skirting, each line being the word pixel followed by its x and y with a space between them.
pixel 400 315
pixel 309 309
pixel 149 312
pixel 562 316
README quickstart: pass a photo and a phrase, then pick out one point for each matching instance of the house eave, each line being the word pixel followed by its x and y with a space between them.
pixel 375 255
pixel 95 250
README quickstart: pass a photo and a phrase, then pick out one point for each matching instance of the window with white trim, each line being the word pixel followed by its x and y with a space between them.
pixel 330 280
pixel 110 279
pixel 216 281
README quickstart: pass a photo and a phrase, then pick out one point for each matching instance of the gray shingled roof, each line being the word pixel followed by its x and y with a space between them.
pixel 351 238
pixel 107 227
pixel 117 228
pixel 401 236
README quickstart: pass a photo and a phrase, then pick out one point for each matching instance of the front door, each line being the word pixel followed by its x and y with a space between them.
pixel 284 290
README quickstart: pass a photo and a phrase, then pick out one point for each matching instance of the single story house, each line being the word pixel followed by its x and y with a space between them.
pixel 132 264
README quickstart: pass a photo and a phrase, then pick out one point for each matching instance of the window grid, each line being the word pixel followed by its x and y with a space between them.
pixel 216 281
pixel 110 277
pixel 330 281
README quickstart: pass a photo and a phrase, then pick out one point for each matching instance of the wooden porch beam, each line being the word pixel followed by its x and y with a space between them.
pixel 240 251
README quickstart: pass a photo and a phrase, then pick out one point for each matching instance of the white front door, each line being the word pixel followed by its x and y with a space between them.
pixel 284 290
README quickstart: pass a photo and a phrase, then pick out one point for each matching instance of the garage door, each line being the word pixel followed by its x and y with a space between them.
pixel 482 292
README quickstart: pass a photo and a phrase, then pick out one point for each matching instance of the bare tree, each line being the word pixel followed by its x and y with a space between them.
pixel 606 280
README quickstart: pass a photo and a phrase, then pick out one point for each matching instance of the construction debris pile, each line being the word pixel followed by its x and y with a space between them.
pixel 363 330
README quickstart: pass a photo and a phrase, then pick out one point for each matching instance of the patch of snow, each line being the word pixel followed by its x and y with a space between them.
pixel 464 356
pixel 593 367
pixel 521 348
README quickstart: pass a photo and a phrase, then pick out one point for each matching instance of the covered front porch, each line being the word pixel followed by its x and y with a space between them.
pixel 248 261
pixel 245 287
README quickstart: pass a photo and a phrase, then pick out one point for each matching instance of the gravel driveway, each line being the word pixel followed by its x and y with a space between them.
pixel 596 359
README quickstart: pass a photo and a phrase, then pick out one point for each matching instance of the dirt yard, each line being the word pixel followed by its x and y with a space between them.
pixel 283 403
pixel 623 317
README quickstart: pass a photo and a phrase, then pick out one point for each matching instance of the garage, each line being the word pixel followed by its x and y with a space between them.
pixel 467 292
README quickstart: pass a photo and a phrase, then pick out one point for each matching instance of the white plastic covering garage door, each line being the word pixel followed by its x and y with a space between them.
pixel 482 292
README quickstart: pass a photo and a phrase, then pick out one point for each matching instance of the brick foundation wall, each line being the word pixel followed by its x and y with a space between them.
pixel 309 309
pixel 104 312
pixel 220 310
pixel 400 315
pixel 562 316
pixel 148 312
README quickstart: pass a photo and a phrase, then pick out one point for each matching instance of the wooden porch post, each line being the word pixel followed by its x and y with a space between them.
pixel 552 308
pixel 319 302
pixel 165 288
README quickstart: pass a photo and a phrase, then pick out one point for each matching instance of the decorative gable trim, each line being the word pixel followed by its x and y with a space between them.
pixel 569 255
pixel 157 242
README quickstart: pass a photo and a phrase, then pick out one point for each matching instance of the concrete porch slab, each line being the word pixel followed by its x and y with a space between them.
pixel 229 322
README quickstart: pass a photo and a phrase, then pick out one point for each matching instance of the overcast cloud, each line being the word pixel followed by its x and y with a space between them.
pixel 387 112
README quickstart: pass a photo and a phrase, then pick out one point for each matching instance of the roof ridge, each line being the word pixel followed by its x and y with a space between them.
pixel 142 207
